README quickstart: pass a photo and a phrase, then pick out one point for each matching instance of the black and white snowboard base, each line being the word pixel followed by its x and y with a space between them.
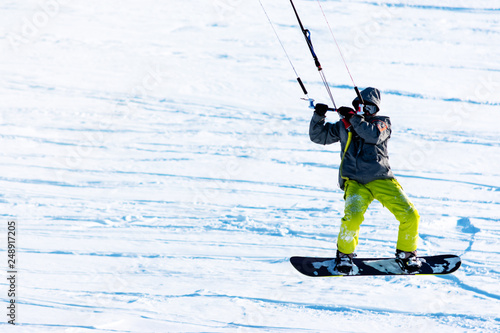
pixel 431 265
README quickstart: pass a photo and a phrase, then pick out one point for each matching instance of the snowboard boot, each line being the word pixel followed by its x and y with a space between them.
pixel 408 261
pixel 343 262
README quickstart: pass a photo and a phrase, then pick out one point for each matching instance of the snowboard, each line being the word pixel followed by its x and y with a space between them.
pixel 431 265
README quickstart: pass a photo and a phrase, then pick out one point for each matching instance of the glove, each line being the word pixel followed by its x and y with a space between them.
pixel 321 109
pixel 346 112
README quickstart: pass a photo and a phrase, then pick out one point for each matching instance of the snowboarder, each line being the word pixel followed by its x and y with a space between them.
pixel 365 175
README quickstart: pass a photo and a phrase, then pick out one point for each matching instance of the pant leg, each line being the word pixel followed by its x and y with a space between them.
pixel 357 199
pixel 390 193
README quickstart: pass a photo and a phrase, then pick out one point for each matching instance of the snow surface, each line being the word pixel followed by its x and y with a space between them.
pixel 156 157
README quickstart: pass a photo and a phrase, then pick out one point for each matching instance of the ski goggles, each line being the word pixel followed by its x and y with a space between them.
pixel 370 109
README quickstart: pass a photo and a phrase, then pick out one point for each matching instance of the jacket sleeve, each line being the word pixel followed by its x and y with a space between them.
pixel 374 132
pixel 323 133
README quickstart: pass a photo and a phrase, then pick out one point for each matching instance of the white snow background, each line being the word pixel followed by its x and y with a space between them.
pixel 156 157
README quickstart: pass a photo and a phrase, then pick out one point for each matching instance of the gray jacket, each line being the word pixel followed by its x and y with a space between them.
pixel 367 157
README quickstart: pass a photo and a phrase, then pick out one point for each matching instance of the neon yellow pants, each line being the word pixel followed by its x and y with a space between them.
pixel 390 193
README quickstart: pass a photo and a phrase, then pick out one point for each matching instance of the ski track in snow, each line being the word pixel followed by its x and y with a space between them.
pixel 159 166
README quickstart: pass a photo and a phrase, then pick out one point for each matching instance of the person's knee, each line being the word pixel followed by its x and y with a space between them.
pixel 412 215
pixel 352 221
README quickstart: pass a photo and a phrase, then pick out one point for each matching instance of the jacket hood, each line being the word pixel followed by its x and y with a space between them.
pixel 370 96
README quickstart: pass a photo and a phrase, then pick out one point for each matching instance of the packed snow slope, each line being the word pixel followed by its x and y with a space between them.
pixel 156 157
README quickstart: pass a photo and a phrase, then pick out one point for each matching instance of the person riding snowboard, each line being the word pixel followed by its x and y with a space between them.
pixel 365 175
